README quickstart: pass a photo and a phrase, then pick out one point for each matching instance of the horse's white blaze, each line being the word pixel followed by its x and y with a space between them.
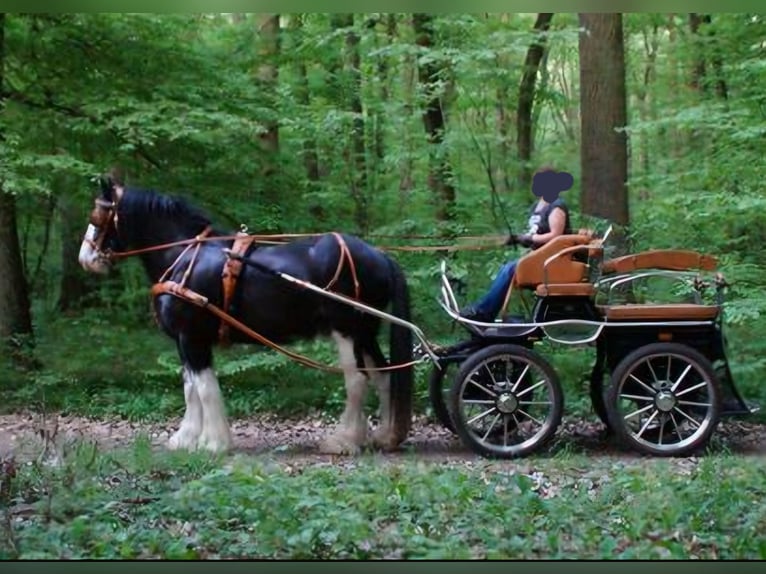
pixel 352 430
pixel 88 257
pixel 191 426
pixel 216 435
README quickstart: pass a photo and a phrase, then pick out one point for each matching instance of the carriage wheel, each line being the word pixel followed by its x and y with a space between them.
pixel 506 401
pixel 438 396
pixel 664 400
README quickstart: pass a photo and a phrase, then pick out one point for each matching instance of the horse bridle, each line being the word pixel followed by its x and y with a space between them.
pixel 102 223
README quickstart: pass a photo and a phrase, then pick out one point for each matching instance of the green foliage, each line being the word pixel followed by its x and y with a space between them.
pixel 175 98
pixel 135 503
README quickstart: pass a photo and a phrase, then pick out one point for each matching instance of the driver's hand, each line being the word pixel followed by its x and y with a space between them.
pixel 525 240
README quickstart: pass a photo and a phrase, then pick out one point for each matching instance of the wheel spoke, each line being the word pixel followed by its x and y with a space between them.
pixel 662 428
pixel 535 403
pixel 530 389
pixel 530 417
pixel 681 378
pixel 491 426
pixel 651 369
pixel 491 374
pixel 505 431
pixel 521 378
pixel 687 417
pixel 690 389
pixel 478 401
pixel 675 425
pixel 483 388
pixel 693 404
pixel 647 423
pixel 481 415
pixel 636 397
pixel 643 384
pixel 638 412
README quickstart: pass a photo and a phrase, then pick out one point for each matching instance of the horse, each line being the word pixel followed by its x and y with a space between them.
pixel 179 246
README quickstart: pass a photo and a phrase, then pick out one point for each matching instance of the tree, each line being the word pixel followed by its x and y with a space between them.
pixel 603 113
pixel 15 314
pixel 429 75
pixel 532 61
pixel 268 75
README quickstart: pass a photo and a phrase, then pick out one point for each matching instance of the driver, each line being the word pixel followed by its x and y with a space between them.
pixel 548 218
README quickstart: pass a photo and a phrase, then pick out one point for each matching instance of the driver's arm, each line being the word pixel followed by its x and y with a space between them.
pixel 556 221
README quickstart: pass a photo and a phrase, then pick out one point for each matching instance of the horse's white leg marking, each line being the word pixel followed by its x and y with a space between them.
pixel 351 432
pixel 191 426
pixel 216 435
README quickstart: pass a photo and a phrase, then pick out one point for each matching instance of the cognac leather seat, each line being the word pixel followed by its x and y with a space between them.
pixel 660 312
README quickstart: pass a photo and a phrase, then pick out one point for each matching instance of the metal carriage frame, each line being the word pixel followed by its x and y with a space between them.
pixel 661 380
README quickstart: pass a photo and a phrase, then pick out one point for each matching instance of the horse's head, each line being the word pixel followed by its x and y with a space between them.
pixel 101 237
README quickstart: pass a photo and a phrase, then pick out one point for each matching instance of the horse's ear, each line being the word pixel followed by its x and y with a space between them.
pixel 106 185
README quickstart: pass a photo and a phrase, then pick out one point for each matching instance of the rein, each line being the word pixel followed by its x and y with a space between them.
pixel 229 275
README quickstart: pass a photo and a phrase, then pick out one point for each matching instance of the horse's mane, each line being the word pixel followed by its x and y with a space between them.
pixel 150 203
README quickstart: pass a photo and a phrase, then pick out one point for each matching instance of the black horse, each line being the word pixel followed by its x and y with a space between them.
pixel 126 220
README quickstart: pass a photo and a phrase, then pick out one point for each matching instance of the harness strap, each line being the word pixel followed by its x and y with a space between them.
pixel 231 271
pixel 345 256
pixel 177 290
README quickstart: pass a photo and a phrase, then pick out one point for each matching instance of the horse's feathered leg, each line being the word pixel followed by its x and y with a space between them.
pixel 191 426
pixel 351 433
pixel 204 424
pixel 216 435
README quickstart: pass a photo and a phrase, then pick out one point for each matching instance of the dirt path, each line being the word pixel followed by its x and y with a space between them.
pixel 293 441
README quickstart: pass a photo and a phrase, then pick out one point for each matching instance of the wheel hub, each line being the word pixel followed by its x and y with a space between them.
pixel 507 403
pixel 665 401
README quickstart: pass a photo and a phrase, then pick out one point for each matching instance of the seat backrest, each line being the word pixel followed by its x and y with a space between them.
pixel 531 270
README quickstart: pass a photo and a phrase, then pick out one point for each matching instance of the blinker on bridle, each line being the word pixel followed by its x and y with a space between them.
pixel 102 224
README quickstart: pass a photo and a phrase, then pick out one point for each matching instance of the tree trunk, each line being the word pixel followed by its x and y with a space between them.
pixel 358 147
pixel 524 140
pixel 604 152
pixel 310 155
pixel 351 99
pixel 697 80
pixel 267 75
pixel 440 171
pixel 651 45
pixel 15 314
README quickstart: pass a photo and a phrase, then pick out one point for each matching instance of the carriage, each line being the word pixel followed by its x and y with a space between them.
pixel 660 381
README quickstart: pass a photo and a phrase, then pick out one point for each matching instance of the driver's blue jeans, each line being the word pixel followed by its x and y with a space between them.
pixel 492 302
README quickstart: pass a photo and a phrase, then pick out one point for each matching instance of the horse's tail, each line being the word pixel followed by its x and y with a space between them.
pixel 400 350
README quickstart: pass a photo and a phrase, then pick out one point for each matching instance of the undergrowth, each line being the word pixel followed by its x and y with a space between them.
pixel 136 503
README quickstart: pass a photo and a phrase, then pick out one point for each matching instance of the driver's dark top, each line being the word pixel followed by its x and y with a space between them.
pixel 538 217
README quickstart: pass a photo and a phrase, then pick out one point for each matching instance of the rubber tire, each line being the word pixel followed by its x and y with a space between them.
pixel 626 366
pixel 436 396
pixel 468 367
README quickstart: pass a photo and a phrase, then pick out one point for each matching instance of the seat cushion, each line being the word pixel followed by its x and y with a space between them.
pixel 663 312
pixel 566 289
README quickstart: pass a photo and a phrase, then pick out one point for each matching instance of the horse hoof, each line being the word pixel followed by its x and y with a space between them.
pixel 384 440
pixel 182 441
pixel 339 445
pixel 215 444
